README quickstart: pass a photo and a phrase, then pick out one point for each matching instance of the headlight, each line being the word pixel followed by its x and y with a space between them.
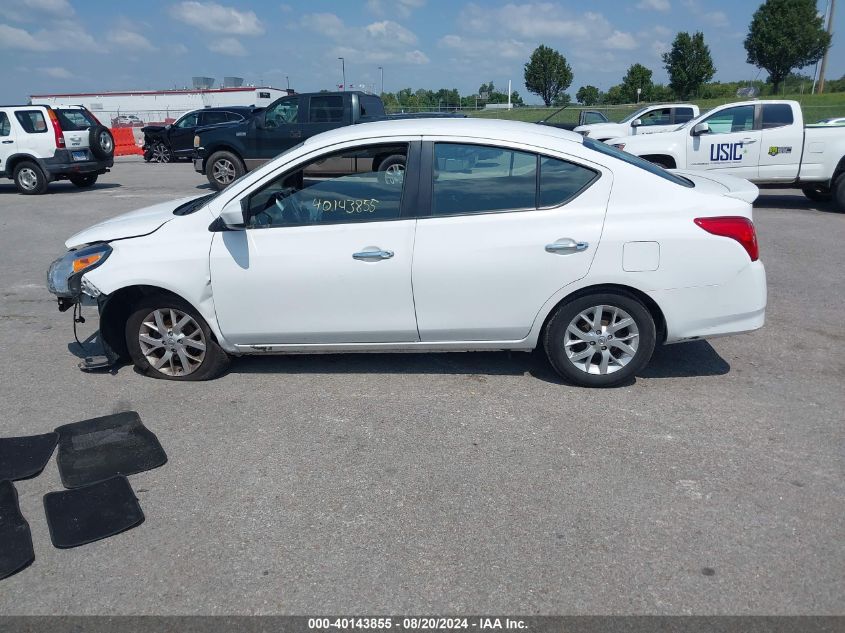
pixel 64 278
pixel 196 140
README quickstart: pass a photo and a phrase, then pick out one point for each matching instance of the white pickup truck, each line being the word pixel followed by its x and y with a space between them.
pixel 765 142
pixel 647 120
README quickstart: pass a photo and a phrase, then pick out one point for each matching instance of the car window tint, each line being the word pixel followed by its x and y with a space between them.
pixel 74 120
pixel 371 106
pixel 210 118
pixel 5 125
pixel 326 109
pixel 189 121
pixel 657 117
pixel 32 121
pixel 738 119
pixel 283 112
pixel 233 116
pixel 777 115
pixel 481 179
pixel 560 181
pixel 361 184
pixel 594 117
pixel 682 115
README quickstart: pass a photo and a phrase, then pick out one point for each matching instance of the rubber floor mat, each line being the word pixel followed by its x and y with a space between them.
pixel 15 540
pixel 96 449
pixel 88 514
pixel 24 457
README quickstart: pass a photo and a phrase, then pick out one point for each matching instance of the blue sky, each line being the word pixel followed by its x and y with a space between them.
pixel 50 46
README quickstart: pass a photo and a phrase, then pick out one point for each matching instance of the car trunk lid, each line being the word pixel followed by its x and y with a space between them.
pixel 721 184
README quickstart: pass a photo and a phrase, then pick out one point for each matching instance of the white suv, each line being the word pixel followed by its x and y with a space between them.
pixel 40 144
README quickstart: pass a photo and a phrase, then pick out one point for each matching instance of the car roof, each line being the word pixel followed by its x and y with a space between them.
pixel 483 129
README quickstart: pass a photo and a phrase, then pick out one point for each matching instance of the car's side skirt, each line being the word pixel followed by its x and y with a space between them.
pixel 525 345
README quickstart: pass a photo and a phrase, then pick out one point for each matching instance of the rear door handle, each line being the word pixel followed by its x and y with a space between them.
pixel 566 245
pixel 372 255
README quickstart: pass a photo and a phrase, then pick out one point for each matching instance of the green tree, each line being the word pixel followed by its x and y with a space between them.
pixel 561 99
pixel 638 76
pixel 614 95
pixel 786 34
pixel 547 74
pixel 588 95
pixel 689 64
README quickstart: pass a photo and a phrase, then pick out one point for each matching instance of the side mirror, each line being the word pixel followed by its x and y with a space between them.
pixel 168 126
pixel 636 123
pixel 234 215
pixel 700 128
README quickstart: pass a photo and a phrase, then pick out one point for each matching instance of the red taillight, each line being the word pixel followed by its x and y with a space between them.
pixel 737 228
pixel 57 128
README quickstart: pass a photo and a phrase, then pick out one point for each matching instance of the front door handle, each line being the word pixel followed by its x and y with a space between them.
pixel 7 142
pixel 372 255
pixel 749 141
pixel 566 245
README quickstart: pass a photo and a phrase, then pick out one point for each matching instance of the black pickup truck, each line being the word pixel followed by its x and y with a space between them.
pixel 225 152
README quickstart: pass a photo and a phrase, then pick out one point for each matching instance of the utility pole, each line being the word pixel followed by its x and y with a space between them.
pixel 827 50
pixel 343 70
pixel 381 71
pixel 287 79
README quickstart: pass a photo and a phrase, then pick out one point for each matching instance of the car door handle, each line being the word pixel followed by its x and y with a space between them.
pixel 7 142
pixel 749 141
pixel 566 245
pixel 368 255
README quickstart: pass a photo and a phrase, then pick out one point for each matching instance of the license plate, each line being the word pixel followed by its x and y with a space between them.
pixel 81 155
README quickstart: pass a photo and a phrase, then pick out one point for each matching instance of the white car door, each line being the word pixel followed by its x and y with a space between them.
pixel 7 140
pixel 782 140
pixel 323 260
pixel 732 145
pixel 498 241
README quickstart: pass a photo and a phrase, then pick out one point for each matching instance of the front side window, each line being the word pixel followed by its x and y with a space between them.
pixel 777 115
pixel 32 121
pixel 594 117
pixel 682 115
pixel 353 185
pixel 189 120
pixel 479 179
pixel 326 110
pixel 657 117
pixel 738 119
pixel 282 113
pixel 5 125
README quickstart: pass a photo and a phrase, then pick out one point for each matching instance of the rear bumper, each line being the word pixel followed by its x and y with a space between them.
pixel 62 165
pixel 710 311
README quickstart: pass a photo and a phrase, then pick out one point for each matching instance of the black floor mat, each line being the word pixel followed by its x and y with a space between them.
pixel 96 449
pixel 84 515
pixel 23 457
pixel 15 540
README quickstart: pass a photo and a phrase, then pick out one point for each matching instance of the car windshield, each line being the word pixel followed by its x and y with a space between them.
pixel 634 115
pixel 636 161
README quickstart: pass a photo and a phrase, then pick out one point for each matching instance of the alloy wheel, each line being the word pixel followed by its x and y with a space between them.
pixel 28 178
pixel 223 171
pixel 161 153
pixel 172 342
pixel 601 340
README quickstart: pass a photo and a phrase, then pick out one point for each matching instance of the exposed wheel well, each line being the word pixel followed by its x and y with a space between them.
pixel 116 310
pixel 664 161
pixel 648 302
pixel 15 160
pixel 839 171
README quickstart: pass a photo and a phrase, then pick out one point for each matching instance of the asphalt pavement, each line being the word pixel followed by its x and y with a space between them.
pixel 448 483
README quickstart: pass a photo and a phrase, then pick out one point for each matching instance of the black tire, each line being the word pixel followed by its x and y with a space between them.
pixel 817 193
pixel 839 193
pixel 101 142
pixel 84 181
pixel 29 178
pixel 212 364
pixel 397 161
pixel 554 339
pixel 220 164
pixel 148 154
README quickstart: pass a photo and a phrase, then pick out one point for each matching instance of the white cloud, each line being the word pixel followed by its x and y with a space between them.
pixel 713 18
pixel 63 34
pixel 129 40
pixel 57 72
pixel 228 46
pixel 11 37
pixel 327 24
pixel 402 8
pixel 216 18
pixel 480 48
pixel 388 31
pixel 656 5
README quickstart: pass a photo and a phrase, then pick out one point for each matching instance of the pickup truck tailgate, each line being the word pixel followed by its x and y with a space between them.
pixel 722 184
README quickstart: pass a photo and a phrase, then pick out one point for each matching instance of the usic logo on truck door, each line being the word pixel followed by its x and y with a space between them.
pixel 727 152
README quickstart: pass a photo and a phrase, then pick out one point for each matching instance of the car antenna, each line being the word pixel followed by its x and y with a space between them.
pixel 544 119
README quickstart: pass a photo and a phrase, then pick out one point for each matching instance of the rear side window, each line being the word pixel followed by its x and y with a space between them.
pixel 210 118
pixel 326 110
pixel 74 120
pixel 682 115
pixel 32 121
pixel 371 106
pixel 636 161
pixel 561 181
pixel 478 179
pixel 5 125
pixel 776 115
pixel 233 116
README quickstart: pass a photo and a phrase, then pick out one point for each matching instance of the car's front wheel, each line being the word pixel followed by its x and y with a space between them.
pixel 223 168
pixel 168 339
pixel 30 179
pixel 600 340
pixel 160 153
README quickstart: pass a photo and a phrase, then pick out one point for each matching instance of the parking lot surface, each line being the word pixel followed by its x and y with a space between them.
pixel 459 483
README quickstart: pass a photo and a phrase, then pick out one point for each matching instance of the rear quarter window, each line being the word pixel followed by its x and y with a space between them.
pixel 74 120
pixel 32 121
pixel 561 181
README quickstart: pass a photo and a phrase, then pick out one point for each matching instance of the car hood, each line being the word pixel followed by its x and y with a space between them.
pixel 153 129
pixel 132 224
pixel 721 184
pixel 602 128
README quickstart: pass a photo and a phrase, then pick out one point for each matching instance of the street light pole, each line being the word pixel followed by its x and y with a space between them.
pixel 343 70
pixel 287 79
pixel 381 71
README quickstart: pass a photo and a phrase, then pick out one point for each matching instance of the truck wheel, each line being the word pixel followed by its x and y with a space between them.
pixel 160 153
pixel 223 168
pixel 391 171
pixel 29 179
pixel 839 193
pixel 817 193
pixel 84 181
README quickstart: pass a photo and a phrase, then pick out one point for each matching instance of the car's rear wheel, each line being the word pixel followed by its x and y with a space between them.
pixel 839 192
pixel 168 339
pixel 817 193
pixel 160 153
pixel 30 179
pixel 600 340
pixel 84 181
pixel 223 168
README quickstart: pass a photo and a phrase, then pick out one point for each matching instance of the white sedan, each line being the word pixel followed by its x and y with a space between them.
pixel 493 236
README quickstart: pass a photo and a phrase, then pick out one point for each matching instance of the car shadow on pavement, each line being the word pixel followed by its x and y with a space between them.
pixel 63 188
pixel 797 202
